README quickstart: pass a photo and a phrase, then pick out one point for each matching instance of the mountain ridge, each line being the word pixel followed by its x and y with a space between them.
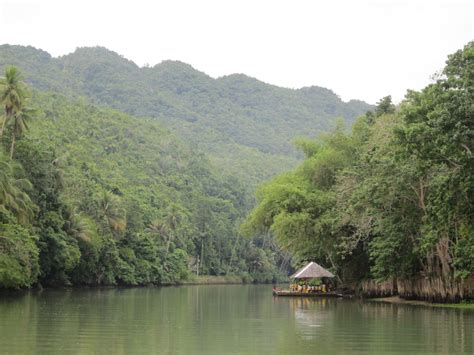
pixel 244 125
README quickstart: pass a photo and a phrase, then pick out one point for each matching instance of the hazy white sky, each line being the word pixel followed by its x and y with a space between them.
pixel 360 49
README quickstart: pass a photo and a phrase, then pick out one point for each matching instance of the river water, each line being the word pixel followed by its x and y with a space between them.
pixel 222 319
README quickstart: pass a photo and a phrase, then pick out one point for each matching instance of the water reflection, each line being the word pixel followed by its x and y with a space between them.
pixel 221 320
pixel 310 315
pixel 369 327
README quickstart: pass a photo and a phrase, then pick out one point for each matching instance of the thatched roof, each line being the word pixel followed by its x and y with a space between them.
pixel 311 271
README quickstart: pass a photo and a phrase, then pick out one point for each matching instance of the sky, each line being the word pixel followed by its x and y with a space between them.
pixel 361 49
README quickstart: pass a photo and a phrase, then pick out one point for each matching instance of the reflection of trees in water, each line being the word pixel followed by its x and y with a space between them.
pixel 311 314
pixel 336 326
pixel 439 330
pixel 222 319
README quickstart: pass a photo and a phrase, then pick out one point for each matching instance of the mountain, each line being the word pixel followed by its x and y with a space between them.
pixel 246 127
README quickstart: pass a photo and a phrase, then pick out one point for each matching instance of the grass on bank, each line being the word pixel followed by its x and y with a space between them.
pixel 398 300
pixel 460 305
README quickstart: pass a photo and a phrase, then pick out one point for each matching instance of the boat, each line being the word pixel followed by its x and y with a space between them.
pixel 305 274
pixel 288 293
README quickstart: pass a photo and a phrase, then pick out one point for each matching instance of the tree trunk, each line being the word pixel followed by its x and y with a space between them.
pixel 202 251
pixel 334 267
pixel 442 251
pixel 168 245
pixel 3 126
pixel 12 150
pixel 7 117
pixel 232 253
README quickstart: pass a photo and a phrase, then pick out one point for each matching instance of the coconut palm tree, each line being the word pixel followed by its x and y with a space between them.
pixel 12 95
pixel 166 226
pixel 13 195
pixel 78 226
pixel 111 212
pixel 158 229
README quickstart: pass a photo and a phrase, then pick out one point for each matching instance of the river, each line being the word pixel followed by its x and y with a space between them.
pixel 222 319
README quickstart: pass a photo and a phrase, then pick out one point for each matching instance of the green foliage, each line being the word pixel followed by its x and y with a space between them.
pixel 14 190
pixel 18 254
pixel 393 198
pixel 117 200
pixel 12 96
pixel 385 106
pixel 243 125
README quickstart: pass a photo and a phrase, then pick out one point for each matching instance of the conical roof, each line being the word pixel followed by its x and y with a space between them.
pixel 311 271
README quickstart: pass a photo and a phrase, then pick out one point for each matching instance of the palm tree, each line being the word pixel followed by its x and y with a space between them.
pixel 111 212
pixel 12 95
pixel 158 228
pixel 78 226
pixel 167 225
pixel 13 196
pixel 20 125
pixel 172 219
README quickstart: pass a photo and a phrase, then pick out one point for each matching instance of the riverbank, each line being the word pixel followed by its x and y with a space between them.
pixel 429 289
pixel 230 280
pixel 398 300
pixel 213 280
pixel 193 280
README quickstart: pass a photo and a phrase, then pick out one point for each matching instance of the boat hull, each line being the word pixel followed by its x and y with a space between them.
pixel 284 293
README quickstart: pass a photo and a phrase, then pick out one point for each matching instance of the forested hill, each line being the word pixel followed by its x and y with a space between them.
pixel 93 196
pixel 245 126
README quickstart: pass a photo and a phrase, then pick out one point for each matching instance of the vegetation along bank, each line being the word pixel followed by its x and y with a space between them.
pixel 390 201
pixel 93 196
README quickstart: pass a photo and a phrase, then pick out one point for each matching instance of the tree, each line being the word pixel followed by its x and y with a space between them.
pixel 12 95
pixel 172 219
pixel 384 106
pixel 78 226
pixel 111 212
pixel 437 138
pixel 297 207
pixel 13 191
pixel 159 228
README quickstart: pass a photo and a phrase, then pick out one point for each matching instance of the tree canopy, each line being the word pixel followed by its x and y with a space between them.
pixel 391 199
pixel 243 125
pixel 94 196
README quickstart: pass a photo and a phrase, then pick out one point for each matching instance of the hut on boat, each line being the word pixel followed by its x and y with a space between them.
pixel 302 282
pixel 311 271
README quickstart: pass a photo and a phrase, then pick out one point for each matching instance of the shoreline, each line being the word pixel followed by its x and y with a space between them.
pixel 200 280
pixel 400 301
pixel 211 280
pixel 238 280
